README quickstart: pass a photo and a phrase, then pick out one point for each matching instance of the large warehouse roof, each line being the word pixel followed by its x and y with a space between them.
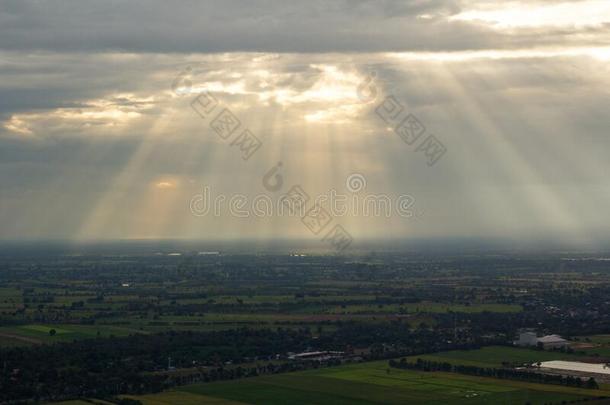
pixel 576 366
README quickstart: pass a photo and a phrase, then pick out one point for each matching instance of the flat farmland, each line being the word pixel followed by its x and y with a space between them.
pixel 38 333
pixel 495 356
pixel 369 383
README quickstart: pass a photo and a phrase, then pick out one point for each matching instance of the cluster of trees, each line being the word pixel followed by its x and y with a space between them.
pixel 106 367
pixel 502 373
pixel 136 364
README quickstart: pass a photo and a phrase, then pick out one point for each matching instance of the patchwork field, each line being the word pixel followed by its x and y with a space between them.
pixel 369 383
pixel 267 306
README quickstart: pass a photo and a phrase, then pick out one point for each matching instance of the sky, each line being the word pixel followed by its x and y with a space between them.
pixel 99 138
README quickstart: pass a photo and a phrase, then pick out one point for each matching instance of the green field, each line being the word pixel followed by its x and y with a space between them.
pixel 37 334
pixel 6 341
pixel 84 402
pixel 44 329
pixel 599 345
pixel 494 356
pixel 182 398
pixel 369 383
pixel 598 339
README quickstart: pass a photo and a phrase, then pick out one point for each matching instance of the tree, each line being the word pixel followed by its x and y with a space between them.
pixel 52 332
pixel 592 384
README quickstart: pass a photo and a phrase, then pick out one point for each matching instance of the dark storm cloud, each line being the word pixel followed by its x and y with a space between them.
pixel 159 26
pixel 241 25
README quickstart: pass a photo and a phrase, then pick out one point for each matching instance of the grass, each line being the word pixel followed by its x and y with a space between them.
pixel 600 339
pixel 84 402
pixel 63 333
pixel 6 341
pixel 38 333
pixel 369 383
pixel 600 351
pixel 180 397
pixel 600 345
pixel 494 356
pixel 45 329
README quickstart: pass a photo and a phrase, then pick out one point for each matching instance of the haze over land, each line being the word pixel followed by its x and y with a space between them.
pixel 95 143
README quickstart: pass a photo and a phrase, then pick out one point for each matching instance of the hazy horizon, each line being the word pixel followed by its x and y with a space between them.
pixel 307 246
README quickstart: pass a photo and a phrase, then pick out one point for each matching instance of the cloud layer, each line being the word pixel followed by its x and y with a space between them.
pixel 98 139
pixel 292 26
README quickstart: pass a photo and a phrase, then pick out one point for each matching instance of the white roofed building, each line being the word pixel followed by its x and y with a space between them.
pixel 548 342
pixel 527 339
pixel 552 342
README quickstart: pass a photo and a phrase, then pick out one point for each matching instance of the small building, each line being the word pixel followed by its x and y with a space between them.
pixel 552 342
pixel 527 339
pixel 547 342
pixel 317 356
